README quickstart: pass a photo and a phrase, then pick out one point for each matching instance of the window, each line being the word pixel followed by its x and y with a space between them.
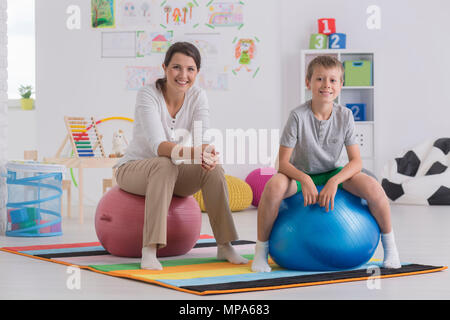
pixel 21 46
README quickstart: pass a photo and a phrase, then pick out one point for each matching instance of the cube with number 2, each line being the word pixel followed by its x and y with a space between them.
pixel 337 41
pixel 358 110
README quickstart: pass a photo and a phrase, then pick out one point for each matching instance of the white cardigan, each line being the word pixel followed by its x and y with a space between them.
pixel 153 124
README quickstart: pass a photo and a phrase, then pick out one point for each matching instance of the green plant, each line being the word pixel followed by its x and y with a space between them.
pixel 25 91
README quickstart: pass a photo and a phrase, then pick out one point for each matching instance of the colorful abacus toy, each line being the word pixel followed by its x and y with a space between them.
pixel 84 136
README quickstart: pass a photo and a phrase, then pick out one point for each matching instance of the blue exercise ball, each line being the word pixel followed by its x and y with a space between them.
pixel 311 239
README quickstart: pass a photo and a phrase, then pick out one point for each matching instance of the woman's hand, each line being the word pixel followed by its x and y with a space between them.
pixel 210 157
pixel 309 191
pixel 326 196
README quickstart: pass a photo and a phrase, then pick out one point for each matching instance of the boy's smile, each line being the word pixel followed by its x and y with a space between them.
pixel 325 92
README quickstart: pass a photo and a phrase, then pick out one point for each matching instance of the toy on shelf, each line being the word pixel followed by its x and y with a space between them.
pixel 318 41
pixel 108 182
pixel 337 41
pixel 84 142
pixel 119 144
pixel 327 37
pixel 327 25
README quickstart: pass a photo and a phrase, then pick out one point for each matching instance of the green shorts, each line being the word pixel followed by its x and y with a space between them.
pixel 321 179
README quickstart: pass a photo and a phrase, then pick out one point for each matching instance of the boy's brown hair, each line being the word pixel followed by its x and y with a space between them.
pixel 327 62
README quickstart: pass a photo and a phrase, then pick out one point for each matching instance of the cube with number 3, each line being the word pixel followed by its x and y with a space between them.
pixel 318 41
pixel 337 41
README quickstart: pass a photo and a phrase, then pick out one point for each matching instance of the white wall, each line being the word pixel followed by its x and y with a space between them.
pixel 411 63
pixel 72 79
pixel 411 71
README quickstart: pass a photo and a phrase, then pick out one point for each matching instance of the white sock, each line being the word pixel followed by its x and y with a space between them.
pixel 149 260
pixel 260 263
pixel 391 257
pixel 227 252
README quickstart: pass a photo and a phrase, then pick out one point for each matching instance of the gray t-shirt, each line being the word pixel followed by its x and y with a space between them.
pixel 318 143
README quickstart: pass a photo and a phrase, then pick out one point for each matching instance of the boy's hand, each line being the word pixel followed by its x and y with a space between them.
pixel 309 191
pixel 326 196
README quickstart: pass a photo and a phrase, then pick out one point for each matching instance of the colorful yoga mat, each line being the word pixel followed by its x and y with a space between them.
pixel 200 272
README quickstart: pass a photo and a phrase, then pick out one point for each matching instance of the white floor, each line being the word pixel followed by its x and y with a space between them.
pixel 423 236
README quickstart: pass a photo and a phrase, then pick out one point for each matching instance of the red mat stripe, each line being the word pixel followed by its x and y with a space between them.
pixel 54 246
pixel 72 245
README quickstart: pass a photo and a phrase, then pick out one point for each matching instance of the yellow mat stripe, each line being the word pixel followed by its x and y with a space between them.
pixel 215 269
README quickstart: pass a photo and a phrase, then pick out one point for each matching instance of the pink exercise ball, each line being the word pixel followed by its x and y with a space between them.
pixel 257 180
pixel 119 220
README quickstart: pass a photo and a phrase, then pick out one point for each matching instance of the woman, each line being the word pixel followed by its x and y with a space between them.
pixel 150 166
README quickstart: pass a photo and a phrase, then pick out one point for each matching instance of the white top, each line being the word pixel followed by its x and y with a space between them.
pixel 153 124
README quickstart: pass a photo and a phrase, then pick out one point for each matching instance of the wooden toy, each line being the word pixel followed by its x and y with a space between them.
pixel 84 142
pixel 318 41
pixel 359 110
pixel 87 149
pixel 327 25
pixel 337 41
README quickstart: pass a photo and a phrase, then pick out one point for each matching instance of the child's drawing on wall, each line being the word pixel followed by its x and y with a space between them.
pixel 135 12
pixel 178 13
pixel 244 53
pixel 102 13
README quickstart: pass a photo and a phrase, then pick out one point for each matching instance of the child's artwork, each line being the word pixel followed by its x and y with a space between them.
pixel 244 54
pixel 179 13
pixel 225 14
pixel 137 77
pixel 136 12
pixel 213 80
pixel 213 74
pixel 102 12
pixel 153 42
pixel 118 44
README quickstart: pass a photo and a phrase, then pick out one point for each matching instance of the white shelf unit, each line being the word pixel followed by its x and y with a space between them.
pixel 365 130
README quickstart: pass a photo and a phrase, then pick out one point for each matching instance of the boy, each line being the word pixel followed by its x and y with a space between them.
pixel 310 146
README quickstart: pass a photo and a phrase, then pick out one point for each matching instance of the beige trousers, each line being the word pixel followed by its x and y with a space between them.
pixel 158 179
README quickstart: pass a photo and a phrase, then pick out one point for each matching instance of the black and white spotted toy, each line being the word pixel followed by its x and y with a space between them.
pixel 421 175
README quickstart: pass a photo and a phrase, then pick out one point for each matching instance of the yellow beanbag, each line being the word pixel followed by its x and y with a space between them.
pixel 239 193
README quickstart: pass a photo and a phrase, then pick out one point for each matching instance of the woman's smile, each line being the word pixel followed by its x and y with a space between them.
pixel 182 82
